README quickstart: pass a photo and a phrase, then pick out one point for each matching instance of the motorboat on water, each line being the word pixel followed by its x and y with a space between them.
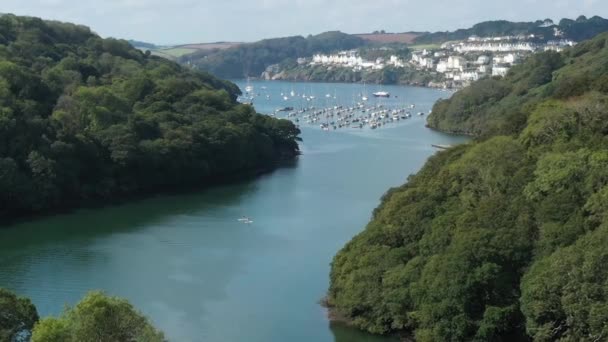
pixel 381 94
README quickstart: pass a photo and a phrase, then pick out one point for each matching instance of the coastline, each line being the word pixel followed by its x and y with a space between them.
pixel 414 84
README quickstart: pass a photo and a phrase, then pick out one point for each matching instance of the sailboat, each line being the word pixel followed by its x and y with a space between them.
pixel 364 97
pixel 249 87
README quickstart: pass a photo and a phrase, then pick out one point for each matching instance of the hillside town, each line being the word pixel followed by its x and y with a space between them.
pixel 453 64
pixel 465 61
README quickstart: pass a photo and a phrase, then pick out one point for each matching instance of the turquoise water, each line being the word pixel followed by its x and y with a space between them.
pixel 186 261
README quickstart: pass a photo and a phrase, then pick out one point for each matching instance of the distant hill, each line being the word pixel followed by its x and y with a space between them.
pixel 251 59
pixel 174 52
pixel 577 30
pixel 142 45
pixel 211 46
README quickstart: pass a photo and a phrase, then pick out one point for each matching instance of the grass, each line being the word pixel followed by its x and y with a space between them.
pixel 175 52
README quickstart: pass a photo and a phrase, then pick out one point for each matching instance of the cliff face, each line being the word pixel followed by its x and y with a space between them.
pixel 501 239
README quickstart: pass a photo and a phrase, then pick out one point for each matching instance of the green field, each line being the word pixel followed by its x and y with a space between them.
pixel 172 53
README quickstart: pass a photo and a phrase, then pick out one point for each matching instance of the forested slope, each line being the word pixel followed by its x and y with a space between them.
pixel 502 239
pixel 88 118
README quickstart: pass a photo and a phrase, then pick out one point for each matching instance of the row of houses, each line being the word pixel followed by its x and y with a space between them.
pixel 459 68
pixel 495 47
pixel 352 59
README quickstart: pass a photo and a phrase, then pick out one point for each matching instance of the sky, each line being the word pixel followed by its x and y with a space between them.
pixel 169 22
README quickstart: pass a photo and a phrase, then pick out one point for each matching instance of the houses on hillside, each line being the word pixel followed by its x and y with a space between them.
pixel 469 60
pixel 352 59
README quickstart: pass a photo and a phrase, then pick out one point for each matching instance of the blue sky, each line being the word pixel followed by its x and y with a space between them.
pixel 188 21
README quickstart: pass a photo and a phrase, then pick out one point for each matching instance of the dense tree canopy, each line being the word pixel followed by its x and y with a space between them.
pixel 88 118
pixel 504 238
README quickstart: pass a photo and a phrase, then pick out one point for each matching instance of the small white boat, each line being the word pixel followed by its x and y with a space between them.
pixel 381 94
pixel 245 220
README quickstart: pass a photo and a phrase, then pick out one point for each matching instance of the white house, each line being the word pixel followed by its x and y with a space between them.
pixel 396 61
pixel 469 76
pixel 499 70
pixel 428 63
pixel 456 62
pixel 495 47
pixel 442 66
pixel 511 58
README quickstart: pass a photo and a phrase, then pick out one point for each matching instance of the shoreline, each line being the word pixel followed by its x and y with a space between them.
pixel 415 85
pixel 8 223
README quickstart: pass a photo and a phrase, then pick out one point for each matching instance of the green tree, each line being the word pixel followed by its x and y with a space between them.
pixel 97 317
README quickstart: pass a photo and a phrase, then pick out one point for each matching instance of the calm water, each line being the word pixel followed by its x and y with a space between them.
pixel 200 275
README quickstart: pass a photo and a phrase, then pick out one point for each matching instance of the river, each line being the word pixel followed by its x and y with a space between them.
pixel 200 274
